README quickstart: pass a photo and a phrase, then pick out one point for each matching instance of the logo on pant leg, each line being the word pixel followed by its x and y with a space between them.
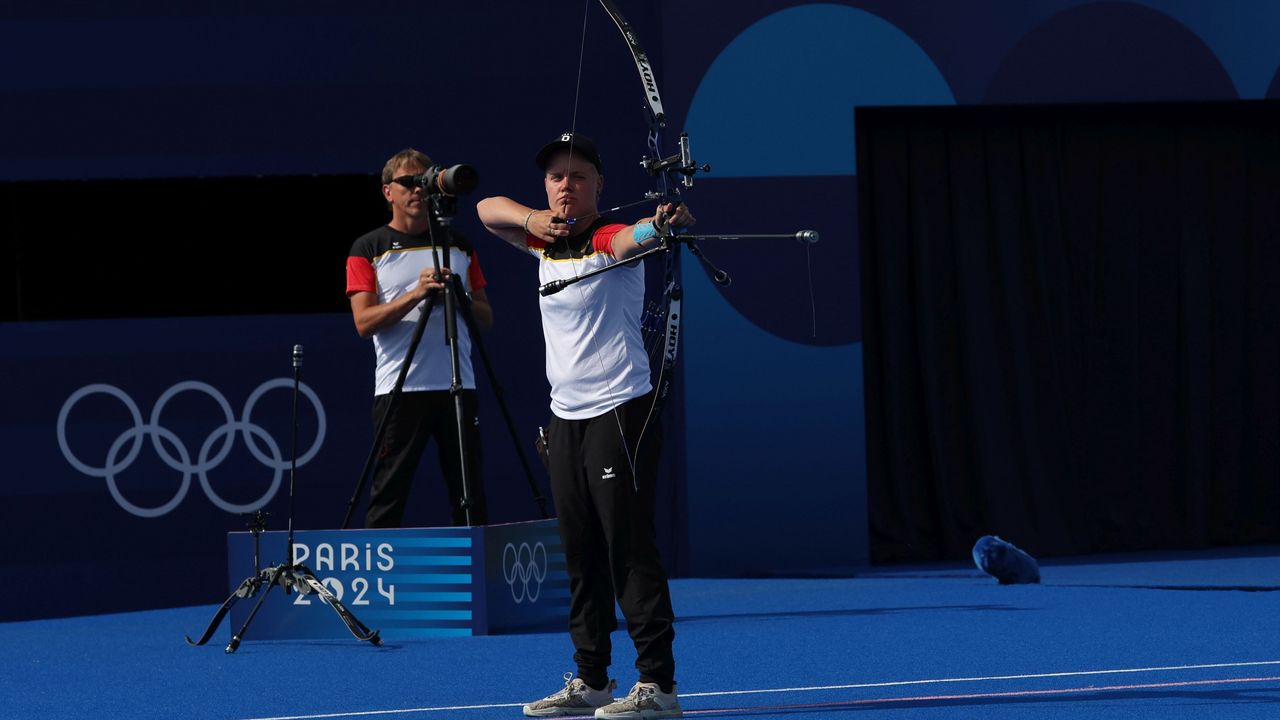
pixel 608 473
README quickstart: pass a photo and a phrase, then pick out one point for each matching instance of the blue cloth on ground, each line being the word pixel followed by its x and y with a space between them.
pixel 1004 561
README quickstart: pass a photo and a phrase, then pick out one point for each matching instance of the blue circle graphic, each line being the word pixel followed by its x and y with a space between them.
pixel 1110 52
pixel 779 100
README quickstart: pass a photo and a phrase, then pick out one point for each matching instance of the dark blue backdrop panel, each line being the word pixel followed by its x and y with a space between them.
pixel 776 453
pixel 799 292
pixel 149 89
pixel 1141 54
pixel 122 476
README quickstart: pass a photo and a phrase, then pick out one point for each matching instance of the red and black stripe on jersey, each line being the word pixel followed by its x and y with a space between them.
pixel 375 244
pixel 597 239
pixel 388 263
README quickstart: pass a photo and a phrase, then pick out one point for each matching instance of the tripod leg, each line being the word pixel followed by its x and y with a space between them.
pixel 478 343
pixel 246 589
pixel 371 461
pixel 303 575
pixel 268 577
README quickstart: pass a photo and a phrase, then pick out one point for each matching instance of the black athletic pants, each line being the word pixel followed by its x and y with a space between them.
pixel 610 545
pixel 419 417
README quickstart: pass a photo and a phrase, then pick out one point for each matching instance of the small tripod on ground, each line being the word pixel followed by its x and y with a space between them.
pixel 288 575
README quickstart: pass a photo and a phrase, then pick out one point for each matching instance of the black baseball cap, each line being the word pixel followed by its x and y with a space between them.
pixel 583 146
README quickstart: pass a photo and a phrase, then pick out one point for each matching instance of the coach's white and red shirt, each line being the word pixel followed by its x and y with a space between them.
pixel 595 352
pixel 387 262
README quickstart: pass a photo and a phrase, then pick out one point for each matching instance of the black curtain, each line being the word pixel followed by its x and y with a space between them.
pixel 1071 326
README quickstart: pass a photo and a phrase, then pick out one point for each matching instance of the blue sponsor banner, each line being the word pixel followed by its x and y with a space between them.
pixel 409 583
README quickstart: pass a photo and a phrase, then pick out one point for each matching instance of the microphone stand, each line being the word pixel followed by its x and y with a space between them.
pixel 288 575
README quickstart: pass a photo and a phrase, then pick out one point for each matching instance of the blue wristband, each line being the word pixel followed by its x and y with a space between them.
pixel 643 231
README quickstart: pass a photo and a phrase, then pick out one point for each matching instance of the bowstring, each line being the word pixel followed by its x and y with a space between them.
pixel 813 303
pixel 582 296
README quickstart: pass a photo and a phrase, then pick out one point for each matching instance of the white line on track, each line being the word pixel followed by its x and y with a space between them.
pixel 986 678
pixel 811 688
pixel 368 713
pixel 1092 689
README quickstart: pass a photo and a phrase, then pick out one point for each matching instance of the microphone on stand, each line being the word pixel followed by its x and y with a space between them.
pixel 293 454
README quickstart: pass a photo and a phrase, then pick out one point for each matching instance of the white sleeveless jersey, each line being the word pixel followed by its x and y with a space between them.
pixel 595 352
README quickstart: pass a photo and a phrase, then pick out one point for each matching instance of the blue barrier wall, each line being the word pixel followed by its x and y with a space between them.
pixel 406 583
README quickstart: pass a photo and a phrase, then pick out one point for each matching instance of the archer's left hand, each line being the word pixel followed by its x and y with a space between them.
pixel 674 215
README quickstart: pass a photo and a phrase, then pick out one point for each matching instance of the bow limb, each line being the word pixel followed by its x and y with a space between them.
pixel 660 322
pixel 662 331
pixel 653 100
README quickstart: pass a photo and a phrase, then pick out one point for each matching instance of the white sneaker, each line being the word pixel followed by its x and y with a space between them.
pixel 645 701
pixel 577 698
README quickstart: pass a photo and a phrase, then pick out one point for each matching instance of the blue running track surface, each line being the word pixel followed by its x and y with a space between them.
pixel 1186 635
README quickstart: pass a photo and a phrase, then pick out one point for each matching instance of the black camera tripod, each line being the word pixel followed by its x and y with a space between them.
pixel 455 301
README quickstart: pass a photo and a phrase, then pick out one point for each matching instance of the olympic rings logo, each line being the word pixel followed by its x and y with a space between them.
pixel 524 569
pixel 207 459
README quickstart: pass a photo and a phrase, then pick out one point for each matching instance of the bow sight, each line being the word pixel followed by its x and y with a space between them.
pixel 681 163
